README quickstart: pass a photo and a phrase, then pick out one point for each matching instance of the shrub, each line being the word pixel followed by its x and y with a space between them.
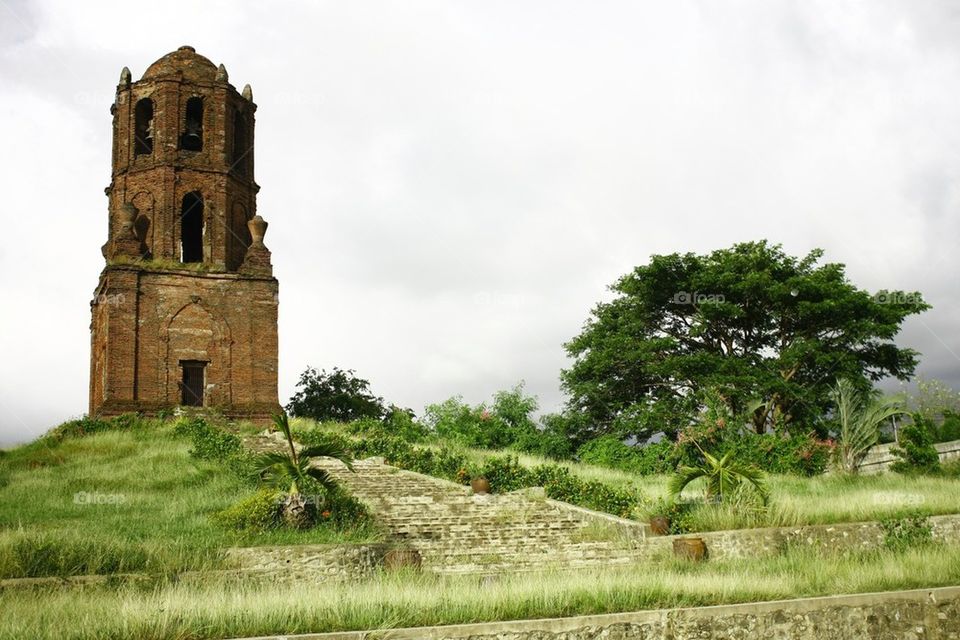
pixel 610 451
pixel 403 424
pixel 86 425
pixel 900 534
pixel 506 423
pixel 551 440
pixel 258 512
pixel 949 429
pixel 341 510
pixel 797 454
pixel 505 473
pixel 679 512
pixel 916 452
pixel 210 443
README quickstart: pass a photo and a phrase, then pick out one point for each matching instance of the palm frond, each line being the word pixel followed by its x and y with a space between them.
pixel 683 477
pixel 755 477
pixel 327 450
pixel 323 478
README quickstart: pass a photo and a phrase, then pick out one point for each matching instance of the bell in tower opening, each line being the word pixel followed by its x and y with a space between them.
pixel 185 313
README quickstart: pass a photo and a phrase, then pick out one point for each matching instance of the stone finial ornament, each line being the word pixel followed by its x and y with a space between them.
pixel 247 92
pixel 258 228
pixel 125 77
pixel 123 240
pixel 257 260
pixel 222 75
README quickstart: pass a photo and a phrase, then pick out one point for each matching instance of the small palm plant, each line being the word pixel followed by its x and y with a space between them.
pixel 724 475
pixel 860 415
pixel 289 471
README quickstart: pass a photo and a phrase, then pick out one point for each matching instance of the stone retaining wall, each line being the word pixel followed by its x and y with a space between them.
pixel 928 614
pixel 880 456
pixel 314 563
pixel 751 543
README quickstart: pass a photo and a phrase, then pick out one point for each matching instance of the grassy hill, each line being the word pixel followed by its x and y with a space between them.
pixel 128 499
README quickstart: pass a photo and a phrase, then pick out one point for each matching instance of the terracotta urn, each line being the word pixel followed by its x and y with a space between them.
pixel 126 217
pixel 480 486
pixel 690 548
pixel 396 559
pixel 660 525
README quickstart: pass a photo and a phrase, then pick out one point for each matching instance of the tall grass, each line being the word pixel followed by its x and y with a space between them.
pixel 795 500
pixel 218 609
pixel 122 501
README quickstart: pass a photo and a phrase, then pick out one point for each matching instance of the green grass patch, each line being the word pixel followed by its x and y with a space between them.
pixel 126 500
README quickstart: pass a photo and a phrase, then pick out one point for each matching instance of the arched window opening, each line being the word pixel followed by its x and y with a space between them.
pixel 238 161
pixel 192 138
pixel 143 128
pixel 191 228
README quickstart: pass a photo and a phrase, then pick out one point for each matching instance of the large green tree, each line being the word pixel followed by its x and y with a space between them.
pixel 340 396
pixel 768 332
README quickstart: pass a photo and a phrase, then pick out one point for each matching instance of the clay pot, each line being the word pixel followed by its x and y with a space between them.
pixel 480 486
pixel 660 525
pixel 690 548
pixel 396 559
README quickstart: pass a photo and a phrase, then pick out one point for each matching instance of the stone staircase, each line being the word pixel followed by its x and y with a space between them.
pixel 458 532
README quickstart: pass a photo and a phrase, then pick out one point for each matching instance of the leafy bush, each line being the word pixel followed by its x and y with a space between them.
pixel 339 395
pixel 797 454
pixel 403 424
pixel 507 423
pixel 900 534
pixel 802 455
pixel 949 429
pixel 210 443
pixel 610 451
pixel 679 512
pixel 505 473
pixel 455 420
pixel 552 439
pixel 916 452
pixel 258 512
pixel 342 511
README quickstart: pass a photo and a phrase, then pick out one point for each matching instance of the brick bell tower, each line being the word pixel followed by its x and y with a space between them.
pixel 186 309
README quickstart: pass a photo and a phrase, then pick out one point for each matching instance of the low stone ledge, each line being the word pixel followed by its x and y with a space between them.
pixel 318 562
pixel 900 615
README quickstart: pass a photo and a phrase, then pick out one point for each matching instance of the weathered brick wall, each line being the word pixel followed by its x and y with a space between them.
pixel 153 320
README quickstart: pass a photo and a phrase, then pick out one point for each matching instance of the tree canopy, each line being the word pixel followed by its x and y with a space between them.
pixel 339 396
pixel 767 331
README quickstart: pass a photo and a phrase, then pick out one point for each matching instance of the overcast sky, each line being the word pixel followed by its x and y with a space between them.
pixel 451 186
